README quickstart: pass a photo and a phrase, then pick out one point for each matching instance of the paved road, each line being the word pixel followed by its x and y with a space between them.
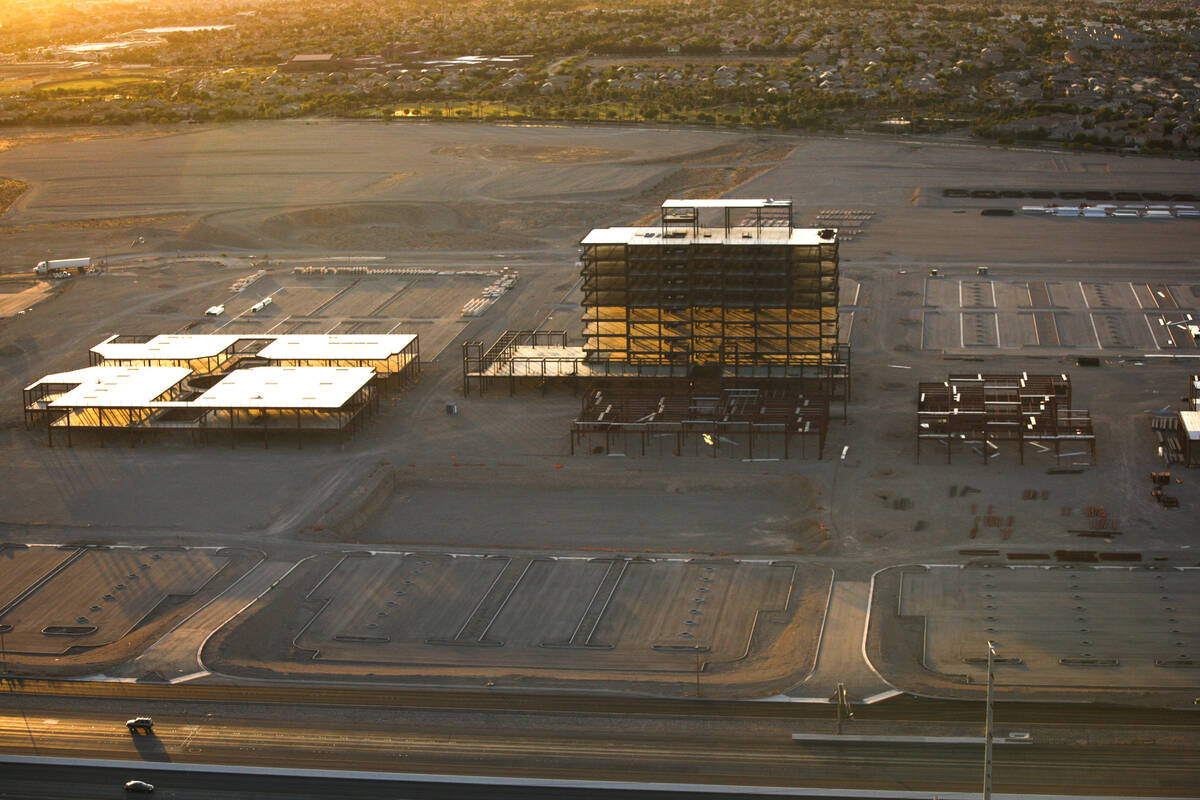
pixel 841 659
pixel 652 747
pixel 177 654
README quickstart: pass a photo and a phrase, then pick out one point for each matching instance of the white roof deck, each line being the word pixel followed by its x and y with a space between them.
pixel 726 202
pixel 737 236
pixel 114 387
pixel 166 347
pixel 286 387
pixel 322 347
pixel 1191 424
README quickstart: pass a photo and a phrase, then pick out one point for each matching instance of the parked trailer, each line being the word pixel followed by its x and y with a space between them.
pixel 260 305
pixel 64 264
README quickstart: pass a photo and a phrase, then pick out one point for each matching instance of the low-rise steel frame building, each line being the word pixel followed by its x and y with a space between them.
pixel 980 410
pixel 233 384
pixel 681 416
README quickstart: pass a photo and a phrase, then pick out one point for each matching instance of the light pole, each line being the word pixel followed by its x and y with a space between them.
pixel 843 707
pixel 987 725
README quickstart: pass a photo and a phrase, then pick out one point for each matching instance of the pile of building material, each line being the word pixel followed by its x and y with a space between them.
pixel 242 283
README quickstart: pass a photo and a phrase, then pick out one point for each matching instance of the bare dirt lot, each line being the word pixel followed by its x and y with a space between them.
pixel 496 479
pixel 695 513
pixel 651 625
pixel 77 610
pixel 1128 630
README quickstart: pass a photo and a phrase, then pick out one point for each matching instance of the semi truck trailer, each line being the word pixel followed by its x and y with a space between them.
pixel 64 264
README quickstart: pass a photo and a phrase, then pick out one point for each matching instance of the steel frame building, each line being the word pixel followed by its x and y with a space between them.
pixel 231 384
pixel 750 422
pixel 720 326
pixel 745 289
pixel 980 410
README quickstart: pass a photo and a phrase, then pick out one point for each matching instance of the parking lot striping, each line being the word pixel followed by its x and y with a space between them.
pixel 992 284
pixel 1153 337
pixel 1135 295
pixel 962 325
pixel 996 318
pixel 247 311
pixel 1085 300
pixel 1095 332
pixel 277 324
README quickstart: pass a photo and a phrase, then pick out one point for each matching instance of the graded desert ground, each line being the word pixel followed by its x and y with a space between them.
pixel 512 526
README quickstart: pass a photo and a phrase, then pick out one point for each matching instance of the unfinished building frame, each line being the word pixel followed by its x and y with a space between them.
pixel 979 410
pixel 223 384
pixel 748 292
pixel 681 417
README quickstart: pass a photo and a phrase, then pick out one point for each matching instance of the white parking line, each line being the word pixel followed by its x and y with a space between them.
pixel 1095 332
pixel 1085 301
pixel 1135 295
pixel 993 285
pixel 244 313
pixel 1153 338
pixel 277 324
pixel 996 317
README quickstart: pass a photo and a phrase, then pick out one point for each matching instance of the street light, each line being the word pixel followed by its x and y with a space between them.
pixel 987 725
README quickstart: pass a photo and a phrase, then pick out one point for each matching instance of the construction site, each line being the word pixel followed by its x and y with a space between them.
pixel 710 333
pixel 647 465
pixel 205 384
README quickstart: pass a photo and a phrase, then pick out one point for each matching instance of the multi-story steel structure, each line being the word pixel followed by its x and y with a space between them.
pixel 718 283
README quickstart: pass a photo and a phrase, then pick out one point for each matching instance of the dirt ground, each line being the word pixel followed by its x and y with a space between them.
pixel 738 628
pixel 497 478
pixel 130 597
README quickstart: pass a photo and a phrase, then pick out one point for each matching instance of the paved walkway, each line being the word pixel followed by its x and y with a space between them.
pixel 840 658
pixel 177 654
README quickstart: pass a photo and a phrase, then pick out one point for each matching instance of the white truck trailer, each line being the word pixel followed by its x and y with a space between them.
pixel 64 264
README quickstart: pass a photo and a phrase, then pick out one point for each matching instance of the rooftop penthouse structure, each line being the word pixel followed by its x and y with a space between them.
pixel 718 283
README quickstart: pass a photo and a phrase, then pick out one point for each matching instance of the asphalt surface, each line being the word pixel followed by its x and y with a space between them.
pixel 664 744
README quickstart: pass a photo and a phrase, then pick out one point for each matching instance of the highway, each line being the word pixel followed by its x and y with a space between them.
pixel 1112 752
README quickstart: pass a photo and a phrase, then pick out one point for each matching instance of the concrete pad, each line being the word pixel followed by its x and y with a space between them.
pixel 841 658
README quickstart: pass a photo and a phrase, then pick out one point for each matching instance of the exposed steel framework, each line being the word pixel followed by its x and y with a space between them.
pixel 747 292
pixel 682 417
pixel 979 410
pixel 179 408
pixel 543 358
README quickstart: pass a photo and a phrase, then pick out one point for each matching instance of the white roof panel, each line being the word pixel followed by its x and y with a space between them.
pixel 166 347
pixel 321 347
pixel 726 202
pixel 286 387
pixel 115 387
pixel 738 236
pixel 1191 423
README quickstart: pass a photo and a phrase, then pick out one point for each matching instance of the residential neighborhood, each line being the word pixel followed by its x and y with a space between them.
pixel 1085 74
